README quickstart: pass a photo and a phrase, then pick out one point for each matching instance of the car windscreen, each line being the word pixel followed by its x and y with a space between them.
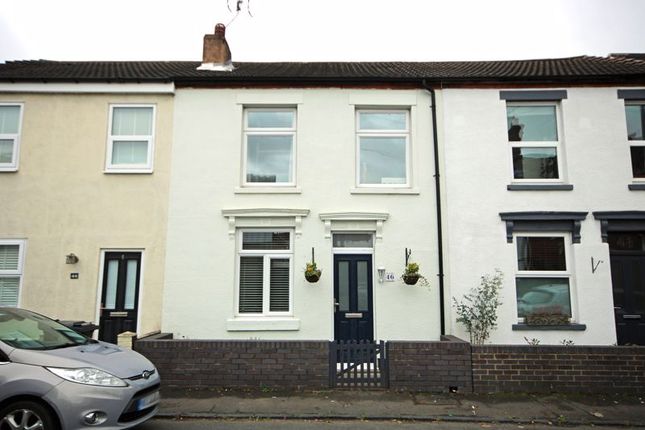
pixel 27 330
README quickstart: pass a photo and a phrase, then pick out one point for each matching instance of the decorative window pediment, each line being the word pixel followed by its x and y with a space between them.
pixel 264 217
pixel 353 221
pixel 569 222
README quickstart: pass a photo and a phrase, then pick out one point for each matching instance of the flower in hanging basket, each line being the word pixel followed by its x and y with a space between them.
pixel 312 273
pixel 411 275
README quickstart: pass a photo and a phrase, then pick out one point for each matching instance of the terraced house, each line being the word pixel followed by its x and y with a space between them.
pixel 195 194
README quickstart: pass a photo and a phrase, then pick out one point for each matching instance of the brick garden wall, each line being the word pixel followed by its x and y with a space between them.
pixel 597 369
pixel 413 366
pixel 239 364
pixel 430 366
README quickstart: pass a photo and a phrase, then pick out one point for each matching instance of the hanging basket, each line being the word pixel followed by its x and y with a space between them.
pixel 313 277
pixel 411 278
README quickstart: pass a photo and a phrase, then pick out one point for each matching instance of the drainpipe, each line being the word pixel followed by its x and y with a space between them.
pixel 437 184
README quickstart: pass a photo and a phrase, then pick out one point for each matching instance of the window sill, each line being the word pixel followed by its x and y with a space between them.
pixel 539 187
pixel 375 190
pixel 268 190
pixel 263 324
pixel 128 171
pixel 636 187
pixel 8 169
pixel 563 327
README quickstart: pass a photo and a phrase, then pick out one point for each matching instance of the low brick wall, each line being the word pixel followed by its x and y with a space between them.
pixel 589 369
pixel 241 364
pixel 430 366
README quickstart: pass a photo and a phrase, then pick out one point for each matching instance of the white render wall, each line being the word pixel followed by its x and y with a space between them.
pixel 478 169
pixel 200 277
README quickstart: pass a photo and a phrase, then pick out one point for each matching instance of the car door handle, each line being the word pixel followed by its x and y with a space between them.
pixel 632 317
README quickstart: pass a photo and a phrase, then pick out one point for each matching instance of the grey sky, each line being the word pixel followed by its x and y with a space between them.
pixel 321 30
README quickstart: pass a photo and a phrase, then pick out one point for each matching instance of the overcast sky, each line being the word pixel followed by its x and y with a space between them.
pixel 321 30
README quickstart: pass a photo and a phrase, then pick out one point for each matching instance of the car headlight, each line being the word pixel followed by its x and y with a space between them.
pixel 89 376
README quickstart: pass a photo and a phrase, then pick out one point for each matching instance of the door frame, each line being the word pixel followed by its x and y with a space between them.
pixel 353 251
pixel 99 291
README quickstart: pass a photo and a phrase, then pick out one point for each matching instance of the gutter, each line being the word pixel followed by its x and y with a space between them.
pixel 437 183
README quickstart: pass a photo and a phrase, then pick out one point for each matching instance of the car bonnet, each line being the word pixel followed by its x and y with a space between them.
pixel 120 362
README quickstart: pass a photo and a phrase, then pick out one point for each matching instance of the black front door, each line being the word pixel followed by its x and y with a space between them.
pixel 627 253
pixel 353 318
pixel 120 295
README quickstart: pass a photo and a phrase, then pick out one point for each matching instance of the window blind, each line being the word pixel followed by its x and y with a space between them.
pixel 9 291
pixel 9 257
pixel 279 285
pixel 263 240
pixel 251 284
pixel 541 254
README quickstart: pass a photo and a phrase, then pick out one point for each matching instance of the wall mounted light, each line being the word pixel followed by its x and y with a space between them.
pixel 71 258
pixel 381 274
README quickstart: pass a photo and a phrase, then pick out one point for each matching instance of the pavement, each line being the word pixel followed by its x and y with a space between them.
pixel 554 409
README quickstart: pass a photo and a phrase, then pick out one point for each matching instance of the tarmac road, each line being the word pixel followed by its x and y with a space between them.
pixel 270 424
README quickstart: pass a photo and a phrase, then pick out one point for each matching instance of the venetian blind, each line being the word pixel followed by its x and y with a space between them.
pixel 279 285
pixel 251 284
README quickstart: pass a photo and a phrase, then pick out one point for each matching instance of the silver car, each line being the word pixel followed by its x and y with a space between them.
pixel 52 378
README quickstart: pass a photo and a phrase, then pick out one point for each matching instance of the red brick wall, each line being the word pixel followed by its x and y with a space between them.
pixel 513 368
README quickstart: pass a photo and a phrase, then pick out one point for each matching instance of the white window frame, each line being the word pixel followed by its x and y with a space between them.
pixel 567 273
pixel 633 143
pixel 383 133
pixel 268 131
pixel 268 255
pixel 557 144
pixel 15 156
pixel 130 168
pixel 19 272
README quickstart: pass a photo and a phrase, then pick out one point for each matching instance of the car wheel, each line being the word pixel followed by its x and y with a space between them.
pixel 26 415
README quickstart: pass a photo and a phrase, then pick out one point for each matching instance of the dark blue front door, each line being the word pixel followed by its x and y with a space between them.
pixel 353 319
pixel 627 252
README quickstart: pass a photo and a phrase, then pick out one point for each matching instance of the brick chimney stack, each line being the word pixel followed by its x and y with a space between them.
pixel 217 55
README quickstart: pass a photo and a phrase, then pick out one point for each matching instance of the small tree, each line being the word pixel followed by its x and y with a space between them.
pixel 478 309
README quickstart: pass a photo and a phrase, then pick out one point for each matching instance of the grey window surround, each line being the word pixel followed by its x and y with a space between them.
pixel 563 327
pixel 619 221
pixel 568 222
pixel 631 94
pixel 636 187
pixel 533 96
pixel 539 187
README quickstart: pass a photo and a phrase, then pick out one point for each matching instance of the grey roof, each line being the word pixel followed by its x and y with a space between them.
pixel 574 69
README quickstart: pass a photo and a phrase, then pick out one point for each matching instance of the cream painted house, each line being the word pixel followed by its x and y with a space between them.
pixel 84 176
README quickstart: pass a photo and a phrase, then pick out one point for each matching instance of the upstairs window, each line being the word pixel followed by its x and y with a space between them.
pixel 635 115
pixel 534 139
pixel 269 147
pixel 11 271
pixel 130 146
pixel 383 147
pixel 10 119
pixel 265 264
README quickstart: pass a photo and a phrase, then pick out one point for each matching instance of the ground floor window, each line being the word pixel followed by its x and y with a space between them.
pixel 11 271
pixel 265 259
pixel 543 282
